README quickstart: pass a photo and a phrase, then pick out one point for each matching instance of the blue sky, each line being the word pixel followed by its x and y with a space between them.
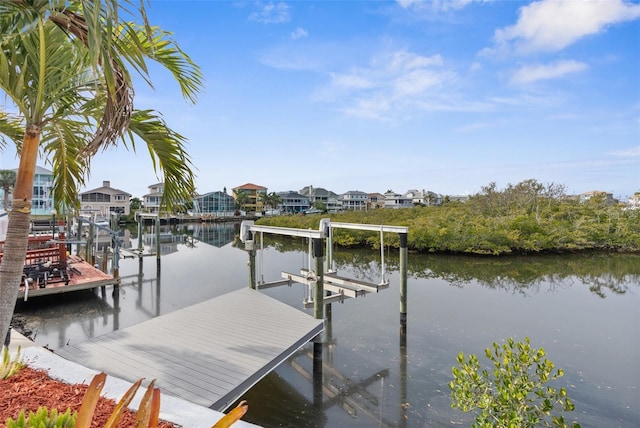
pixel 445 96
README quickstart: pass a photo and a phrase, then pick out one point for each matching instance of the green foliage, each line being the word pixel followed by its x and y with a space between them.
pixel 44 418
pixel 10 367
pixel 514 392
pixel 135 204
pixel 525 218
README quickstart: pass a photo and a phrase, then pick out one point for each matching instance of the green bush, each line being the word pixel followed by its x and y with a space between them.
pixel 515 392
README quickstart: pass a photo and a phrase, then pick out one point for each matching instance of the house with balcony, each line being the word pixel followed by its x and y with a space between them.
pixel 376 200
pixel 42 201
pixel 105 200
pixel 153 199
pixel 424 197
pixel 354 200
pixel 319 195
pixel 293 202
pixel 253 194
pixel 396 200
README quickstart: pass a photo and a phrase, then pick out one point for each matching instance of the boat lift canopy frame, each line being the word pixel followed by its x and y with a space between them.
pixel 328 225
pixel 332 282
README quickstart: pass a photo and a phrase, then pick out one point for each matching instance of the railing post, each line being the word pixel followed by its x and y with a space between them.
pixel 403 282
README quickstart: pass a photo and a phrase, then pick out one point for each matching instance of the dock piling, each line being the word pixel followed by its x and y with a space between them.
pixel 318 297
pixel 403 282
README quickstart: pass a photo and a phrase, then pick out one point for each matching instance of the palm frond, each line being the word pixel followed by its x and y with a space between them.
pixel 10 128
pixel 168 155
pixel 159 47
pixel 62 145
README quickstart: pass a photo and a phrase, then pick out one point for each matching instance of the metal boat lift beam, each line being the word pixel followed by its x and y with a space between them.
pixel 288 231
pixel 371 227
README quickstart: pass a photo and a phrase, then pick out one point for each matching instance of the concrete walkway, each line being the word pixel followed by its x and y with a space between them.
pixel 173 409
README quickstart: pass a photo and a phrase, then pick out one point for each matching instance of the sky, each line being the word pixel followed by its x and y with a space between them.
pixel 446 96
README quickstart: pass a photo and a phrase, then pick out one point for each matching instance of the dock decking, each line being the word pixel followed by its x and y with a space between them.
pixel 209 353
pixel 82 277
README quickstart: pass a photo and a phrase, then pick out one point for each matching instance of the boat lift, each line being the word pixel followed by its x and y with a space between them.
pixel 338 288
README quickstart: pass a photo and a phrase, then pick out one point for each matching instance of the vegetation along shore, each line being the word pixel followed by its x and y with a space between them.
pixel 519 219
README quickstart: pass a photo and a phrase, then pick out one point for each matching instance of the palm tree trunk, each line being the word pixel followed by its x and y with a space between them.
pixel 15 246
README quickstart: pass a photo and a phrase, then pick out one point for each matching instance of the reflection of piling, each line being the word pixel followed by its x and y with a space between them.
pixel 318 313
pixel 317 371
pixel 404 405
pixel 403 282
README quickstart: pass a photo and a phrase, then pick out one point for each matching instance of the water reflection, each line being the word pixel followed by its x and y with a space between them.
pixel 583 309
pixel 305 398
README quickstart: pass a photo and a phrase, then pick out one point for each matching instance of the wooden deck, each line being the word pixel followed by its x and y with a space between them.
pixel 209 353
pixel 82 276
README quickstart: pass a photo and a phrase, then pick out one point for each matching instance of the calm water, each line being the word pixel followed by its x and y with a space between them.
pixel 584 310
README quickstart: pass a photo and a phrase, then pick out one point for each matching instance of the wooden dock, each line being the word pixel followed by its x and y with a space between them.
pixel 82 276
pixel 209 353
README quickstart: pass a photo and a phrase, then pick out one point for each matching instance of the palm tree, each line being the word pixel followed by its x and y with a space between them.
pixel 7 181
pixel 242 198
pixel 65 66
pixel 273 200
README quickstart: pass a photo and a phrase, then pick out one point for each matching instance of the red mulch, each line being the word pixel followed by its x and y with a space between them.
pixel 30 389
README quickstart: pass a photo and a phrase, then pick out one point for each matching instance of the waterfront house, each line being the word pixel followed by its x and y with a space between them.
pixel 153 199
pixel 218 204
pixel 376 200
pixel 293 202
pixel 322 196
pixel 42 201
pixel 416 196
pixel 105 200
pixel 424 197
pixel 606 197
pixel 396 200
pixel 354 200
pixel 254 194
pixel 634 202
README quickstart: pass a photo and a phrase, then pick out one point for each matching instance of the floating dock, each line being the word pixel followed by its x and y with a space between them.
pixel 209 353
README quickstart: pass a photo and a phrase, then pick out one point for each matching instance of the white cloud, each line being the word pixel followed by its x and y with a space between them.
pixel 299 33
pixel 391 82
pixel 271 13
pixel 551 25
pixel 436 5
pixel 533 73
pixel 350 81
pixel 632 152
